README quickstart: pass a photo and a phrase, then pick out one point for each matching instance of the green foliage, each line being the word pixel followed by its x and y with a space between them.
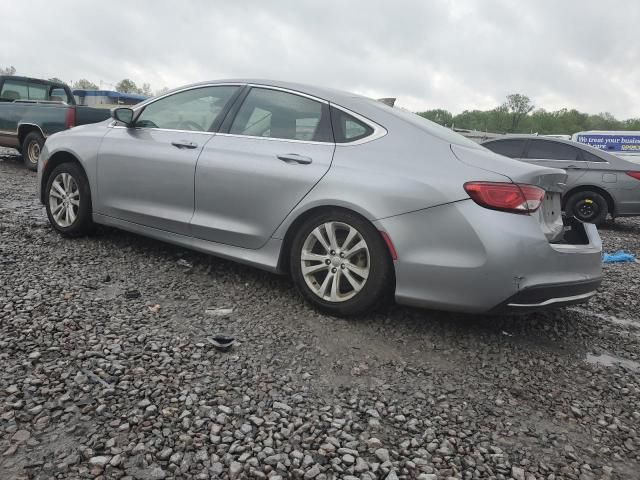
pixel 517 115
pixel 127 86
pixel 57 80
pixel 84 84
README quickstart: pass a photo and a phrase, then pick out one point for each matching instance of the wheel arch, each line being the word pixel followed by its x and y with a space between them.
pixel 56 159
pixel 25 129
pixel 591 188
pixel 292 228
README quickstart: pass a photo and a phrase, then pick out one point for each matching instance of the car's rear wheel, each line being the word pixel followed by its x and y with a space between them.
pixel 68 200
pixel 31 148
pixel 588 207
pixel 340 263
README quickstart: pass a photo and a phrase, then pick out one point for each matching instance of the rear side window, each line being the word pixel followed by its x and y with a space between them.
pixel 38 91
pixel 347 128
pixel 509 148
pixel 590 157
pixel 13 90
pixel 276 114
pixel 549 150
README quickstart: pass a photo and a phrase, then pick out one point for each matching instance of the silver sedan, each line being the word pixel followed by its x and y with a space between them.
pixel 356 200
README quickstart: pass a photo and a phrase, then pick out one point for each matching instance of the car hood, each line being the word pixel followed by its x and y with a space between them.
pixel 550 179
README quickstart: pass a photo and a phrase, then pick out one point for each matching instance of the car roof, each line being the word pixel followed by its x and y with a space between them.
pixel 340 97
pixel 33 80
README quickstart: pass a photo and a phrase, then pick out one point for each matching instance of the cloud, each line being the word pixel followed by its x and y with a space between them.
pixel 460 54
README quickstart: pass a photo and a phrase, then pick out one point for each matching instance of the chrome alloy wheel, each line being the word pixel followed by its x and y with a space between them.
pixel 335 261
pixel 64 200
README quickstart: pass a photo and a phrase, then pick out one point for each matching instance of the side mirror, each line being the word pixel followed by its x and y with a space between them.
pixel 123 114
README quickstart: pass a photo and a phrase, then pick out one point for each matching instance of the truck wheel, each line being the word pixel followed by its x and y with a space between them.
pixel 31 148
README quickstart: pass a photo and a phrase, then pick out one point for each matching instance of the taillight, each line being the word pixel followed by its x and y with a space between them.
pixel 635 175
pixel 506 197
pixel 70 118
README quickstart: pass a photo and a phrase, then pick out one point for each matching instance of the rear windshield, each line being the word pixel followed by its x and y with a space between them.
pixel 430 127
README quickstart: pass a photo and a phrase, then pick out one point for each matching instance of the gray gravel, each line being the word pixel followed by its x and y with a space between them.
pixel 96 384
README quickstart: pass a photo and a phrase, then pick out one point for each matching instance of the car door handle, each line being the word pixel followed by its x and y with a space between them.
pixel 572 167
pixel 294 158
pixel 184 144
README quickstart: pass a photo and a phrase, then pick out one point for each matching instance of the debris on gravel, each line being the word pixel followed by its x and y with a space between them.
pixel 99 383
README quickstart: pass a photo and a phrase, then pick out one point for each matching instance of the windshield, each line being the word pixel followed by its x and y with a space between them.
pixel 430 127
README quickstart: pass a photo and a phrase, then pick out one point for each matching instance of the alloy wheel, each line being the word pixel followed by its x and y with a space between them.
pixel 64 200
pixel 335 261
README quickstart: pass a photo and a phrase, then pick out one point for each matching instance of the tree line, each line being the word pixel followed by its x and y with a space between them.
pixel 518 115
pixel 125 85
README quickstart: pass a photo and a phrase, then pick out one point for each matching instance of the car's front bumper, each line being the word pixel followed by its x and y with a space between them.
pixel 462 257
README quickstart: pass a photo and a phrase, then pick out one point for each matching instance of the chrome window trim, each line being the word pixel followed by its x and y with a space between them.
pixel 378 130
pixel 288 90
pixel 161 129
pixel 290 140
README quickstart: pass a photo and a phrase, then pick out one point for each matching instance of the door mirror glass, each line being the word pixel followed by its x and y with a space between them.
pixel 124 115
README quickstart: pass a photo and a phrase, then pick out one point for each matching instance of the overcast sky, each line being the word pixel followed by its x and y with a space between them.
pixel 455 54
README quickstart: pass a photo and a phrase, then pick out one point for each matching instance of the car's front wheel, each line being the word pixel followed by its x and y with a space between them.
pixel 68 200
pixel 340 263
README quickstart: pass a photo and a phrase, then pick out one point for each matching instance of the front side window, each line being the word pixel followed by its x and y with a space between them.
pixel 276 114
pixel 509 148
pixel 347 128
pixel 196 109
pixel 12 90
pixel 548 150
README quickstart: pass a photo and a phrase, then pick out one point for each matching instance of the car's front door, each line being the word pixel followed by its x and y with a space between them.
pixel 271 151
pixel 550 153
pixel 146 172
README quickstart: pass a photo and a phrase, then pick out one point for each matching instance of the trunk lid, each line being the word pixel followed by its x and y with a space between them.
pixel 552 180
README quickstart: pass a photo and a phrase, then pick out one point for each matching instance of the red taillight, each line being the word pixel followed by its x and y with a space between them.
pixel 635 175
pixel 70 118
pixel 507 197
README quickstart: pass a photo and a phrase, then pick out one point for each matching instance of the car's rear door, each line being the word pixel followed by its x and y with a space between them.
pixel 555 154
pixel 146 173
pixel 272 149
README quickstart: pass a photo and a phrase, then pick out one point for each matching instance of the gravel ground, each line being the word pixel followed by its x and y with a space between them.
pixel 98 385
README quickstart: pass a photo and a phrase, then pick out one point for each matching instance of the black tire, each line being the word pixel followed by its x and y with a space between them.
pixel 82 223
pixel 31 148
pixel 375 290
pixel 588 207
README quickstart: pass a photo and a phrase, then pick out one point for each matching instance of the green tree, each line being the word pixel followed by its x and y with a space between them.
pixel 57 80
pixel 84 84
pixel 8 70
pixel 518 106
pixel 162 91
pixel 438 115
pixel 127 86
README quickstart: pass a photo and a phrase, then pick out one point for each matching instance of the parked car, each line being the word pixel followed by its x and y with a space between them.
pixel 355 199
pixel 598 183
pixel 32 109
